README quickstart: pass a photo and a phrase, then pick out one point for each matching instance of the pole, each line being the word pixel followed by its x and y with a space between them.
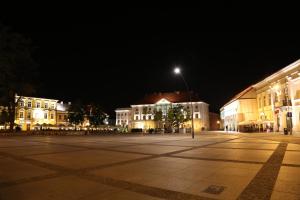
pixel 192 109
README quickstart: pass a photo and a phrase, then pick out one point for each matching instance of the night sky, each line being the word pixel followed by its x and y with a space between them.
pixel 115 57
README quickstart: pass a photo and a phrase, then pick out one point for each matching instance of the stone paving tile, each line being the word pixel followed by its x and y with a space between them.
pixel 151 149
pixel 288 181
pixel 185 175
pixel 253 140
pixel 100 144
pixel 12 170
pixel 228 154
pixel 85 159
pixel 16 143
pixel 186 143
pixel 292 157
pixel 270 146
pixel 43 149
pixel 68 187
pixel 284 196
pixel 293 147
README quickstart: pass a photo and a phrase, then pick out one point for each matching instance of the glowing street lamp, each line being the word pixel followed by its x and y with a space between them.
pixel 178 71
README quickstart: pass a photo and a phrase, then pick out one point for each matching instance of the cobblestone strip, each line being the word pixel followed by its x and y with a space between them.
pixel 261 186
pixel 147 190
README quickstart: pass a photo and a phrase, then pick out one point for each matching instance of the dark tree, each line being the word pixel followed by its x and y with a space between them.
pixel 17 70
pixel 158 117
pixel 4 118
pixel 76 113
pixel 95 115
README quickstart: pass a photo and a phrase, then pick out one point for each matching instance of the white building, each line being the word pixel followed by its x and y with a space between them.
pixel 141 114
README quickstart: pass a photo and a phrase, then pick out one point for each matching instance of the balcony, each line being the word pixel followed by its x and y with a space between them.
pixel 283 103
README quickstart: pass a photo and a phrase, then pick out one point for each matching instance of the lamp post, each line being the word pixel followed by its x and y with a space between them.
pixel 178 71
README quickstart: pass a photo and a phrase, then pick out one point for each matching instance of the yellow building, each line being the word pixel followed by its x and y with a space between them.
pixel 141 114
pixel 240 111
pixel 34 113
pixel 275 104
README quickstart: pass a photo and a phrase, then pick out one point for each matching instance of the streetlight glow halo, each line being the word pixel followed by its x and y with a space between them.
pixel 177 70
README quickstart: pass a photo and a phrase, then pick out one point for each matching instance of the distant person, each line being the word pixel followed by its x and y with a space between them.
pixel 226 127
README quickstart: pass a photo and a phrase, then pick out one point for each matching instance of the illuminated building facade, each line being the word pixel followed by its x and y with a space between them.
pixel 141 114
pixel 275 103
pixel 33 112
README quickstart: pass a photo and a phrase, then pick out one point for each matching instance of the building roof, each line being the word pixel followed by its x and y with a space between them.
pixel 295 66
pixel 124 109
pixel 239 95
pixel 174 97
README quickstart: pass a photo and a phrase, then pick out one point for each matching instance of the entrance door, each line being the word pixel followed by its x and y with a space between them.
pixel 28 127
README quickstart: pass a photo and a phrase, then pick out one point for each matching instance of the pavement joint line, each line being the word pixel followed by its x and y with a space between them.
pixel 262 185
pixel 143 189
pixel 31 179
pixel 38 163
pixel 216 159
pixel 291 165
pixel 240 148
pixel 20 146
pixel 50 153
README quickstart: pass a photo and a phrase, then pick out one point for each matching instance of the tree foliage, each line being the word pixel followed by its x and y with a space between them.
pixel 177 115
pixel 76 113
pixel 95 115
pixel 17 69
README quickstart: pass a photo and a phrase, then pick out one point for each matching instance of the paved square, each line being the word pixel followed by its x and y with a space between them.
pixel 211 166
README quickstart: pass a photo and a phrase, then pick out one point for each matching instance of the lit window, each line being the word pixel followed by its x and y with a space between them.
pixel 51 116
pixel 21 115
pixel 29 104
pixel 28 115
pixel 45 116
pixel 38 104
pixel 46 105
pixel 22 103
